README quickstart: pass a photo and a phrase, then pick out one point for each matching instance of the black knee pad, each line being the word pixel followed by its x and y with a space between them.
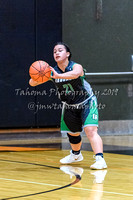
pixel 74 139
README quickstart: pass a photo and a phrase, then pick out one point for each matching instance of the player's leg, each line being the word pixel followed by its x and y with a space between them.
pixel 74 138
pixel 90 128
pixel 97 147
pixel 94 138
pixel 75 154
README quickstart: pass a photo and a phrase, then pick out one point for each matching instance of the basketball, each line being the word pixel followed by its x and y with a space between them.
pixel 40 71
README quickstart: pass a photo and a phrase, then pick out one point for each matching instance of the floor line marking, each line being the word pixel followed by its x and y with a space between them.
pixel 22 181
pixel 115 193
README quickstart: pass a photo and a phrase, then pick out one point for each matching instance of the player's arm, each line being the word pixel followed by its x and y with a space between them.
pixel 34 83
pixel 75 73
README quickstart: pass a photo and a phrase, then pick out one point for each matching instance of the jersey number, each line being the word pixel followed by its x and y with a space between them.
pixel 68 88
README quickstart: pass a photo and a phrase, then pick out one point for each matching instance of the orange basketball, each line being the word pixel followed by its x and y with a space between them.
pixel 40 71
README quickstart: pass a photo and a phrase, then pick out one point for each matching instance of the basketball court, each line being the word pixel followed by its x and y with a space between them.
pixel 35 172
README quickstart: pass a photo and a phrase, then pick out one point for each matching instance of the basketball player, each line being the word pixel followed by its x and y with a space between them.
pixel 79 106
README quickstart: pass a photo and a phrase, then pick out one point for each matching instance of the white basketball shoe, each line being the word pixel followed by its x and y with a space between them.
pixel 99 164
pixel 71 158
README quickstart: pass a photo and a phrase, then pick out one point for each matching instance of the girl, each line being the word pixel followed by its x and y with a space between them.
pixel 79 106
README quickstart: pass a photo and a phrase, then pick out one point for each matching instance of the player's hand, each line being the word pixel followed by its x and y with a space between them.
pixel 54 75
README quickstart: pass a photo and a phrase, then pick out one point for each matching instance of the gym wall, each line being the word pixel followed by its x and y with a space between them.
pixel 100 36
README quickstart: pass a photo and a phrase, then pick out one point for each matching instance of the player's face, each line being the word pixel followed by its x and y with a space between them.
pixel 60 53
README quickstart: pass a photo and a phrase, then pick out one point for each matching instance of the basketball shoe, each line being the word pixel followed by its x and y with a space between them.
pixel 99 164
pixel 71 158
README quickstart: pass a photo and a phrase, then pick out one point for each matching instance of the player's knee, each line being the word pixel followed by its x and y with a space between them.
pixel 74 139
pixel 91 134
pixel 91 131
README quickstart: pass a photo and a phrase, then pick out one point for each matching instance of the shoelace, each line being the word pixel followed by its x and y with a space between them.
pixel 97 158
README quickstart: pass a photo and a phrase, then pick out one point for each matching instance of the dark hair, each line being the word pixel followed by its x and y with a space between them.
pixel 66 47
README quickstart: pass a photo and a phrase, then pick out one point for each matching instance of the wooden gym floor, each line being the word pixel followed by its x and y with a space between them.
pixel 38 175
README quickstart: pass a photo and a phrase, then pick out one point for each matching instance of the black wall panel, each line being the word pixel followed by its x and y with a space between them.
pixel 17 50
pixel 28 31
pixel 48 32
